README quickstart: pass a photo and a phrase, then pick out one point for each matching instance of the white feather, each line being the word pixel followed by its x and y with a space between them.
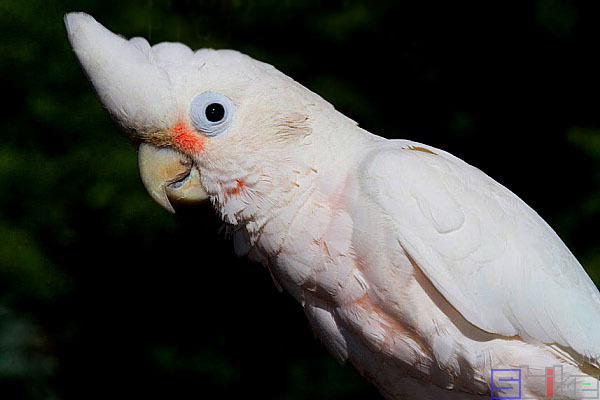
pixel 414 266
pixel 486 251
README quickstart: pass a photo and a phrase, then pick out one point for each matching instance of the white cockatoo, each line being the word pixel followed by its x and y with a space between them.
pixel 419 269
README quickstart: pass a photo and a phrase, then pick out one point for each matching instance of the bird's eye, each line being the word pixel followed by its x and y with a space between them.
pixel 211 113
pixel 215 112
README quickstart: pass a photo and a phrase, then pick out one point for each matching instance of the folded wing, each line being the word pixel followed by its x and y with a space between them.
pixel 492 257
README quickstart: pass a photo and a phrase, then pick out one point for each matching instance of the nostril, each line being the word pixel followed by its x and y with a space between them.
pixel 186 163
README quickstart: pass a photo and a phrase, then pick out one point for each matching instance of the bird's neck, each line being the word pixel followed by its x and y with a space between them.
pixel 272 192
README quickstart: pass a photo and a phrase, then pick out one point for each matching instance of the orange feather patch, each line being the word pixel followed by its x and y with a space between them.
pixel 236 190
pixel 186 139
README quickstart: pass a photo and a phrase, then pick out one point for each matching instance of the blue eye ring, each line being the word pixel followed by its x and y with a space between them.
pixel 211 113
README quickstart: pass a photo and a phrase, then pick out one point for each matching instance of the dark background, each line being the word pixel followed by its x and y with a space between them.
pixel 105 295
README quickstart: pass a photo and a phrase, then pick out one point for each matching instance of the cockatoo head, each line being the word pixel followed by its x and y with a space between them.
pixel 209 124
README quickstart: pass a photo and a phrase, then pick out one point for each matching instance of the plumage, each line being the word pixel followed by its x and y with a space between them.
pixel 417 268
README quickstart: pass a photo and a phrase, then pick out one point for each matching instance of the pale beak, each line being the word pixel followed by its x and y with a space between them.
pixel 169 176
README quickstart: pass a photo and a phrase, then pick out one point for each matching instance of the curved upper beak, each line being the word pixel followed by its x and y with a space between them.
pixel 169 176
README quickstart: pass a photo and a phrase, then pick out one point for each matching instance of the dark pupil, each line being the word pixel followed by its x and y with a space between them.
pixel 215 112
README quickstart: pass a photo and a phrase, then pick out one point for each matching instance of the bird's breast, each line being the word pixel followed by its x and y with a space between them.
pixel 356 285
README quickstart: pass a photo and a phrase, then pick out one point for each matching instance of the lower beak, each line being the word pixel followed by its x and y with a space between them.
pixel 169 176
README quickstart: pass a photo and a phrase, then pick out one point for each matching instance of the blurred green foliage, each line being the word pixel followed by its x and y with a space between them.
pixel 103 294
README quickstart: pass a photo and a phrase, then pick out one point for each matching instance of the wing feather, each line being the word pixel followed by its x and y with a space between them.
pixel 493 257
